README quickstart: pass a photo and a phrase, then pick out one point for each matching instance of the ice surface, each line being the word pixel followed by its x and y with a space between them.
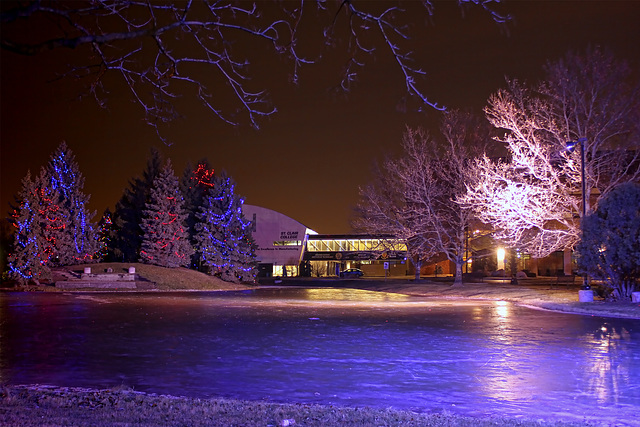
pixel 331 346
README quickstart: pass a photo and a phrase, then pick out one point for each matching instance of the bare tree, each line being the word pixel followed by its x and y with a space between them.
pixel 596 98
pixel 384 209
pixel 162 50
pixel 417 200
pixel 533 198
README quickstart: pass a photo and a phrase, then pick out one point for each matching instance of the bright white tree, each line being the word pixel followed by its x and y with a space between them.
pixel 610 246
pixel 165 240
pixel 76 241
pixel 533 197
pixel 417 198
pixel 29 256
pixel 223 235
pixel 161 50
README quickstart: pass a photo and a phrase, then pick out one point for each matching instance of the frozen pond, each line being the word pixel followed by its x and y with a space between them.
pixel 330 346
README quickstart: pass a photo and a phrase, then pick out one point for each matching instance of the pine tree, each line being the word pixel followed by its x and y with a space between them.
pixel 127 217
pixel 223 236
pixel 106 236
pixel 29 256
pixel 610 247
pixel 194 186
pixel 165 239
pixel 75 241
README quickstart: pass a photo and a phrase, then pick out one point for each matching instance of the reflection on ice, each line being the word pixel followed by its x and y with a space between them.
pixel 357 295
pixel 502 308
pixel 332 346
pixel 606 375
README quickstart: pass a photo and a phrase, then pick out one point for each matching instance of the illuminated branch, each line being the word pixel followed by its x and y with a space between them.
pixel 534 198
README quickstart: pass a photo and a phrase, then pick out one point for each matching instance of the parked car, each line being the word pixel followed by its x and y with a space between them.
pixel 351 272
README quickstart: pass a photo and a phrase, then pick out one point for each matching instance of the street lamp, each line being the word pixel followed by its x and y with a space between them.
pixel 571 145
pixel 501 254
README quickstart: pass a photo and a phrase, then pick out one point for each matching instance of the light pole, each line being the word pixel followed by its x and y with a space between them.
pixel 570 146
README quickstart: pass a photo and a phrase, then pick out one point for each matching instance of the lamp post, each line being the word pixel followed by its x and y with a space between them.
pixel 570 146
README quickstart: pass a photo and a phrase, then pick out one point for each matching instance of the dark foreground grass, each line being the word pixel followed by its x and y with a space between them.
pixel 60 406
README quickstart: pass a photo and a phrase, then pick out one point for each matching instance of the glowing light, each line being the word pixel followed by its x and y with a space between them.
pixel 501 254
pixel 502 309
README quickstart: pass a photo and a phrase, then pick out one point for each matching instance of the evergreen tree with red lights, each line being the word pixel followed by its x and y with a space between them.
pixel 165 240
pixel 75 238
pixel 106 236
pixel 223 235
pixel 194 185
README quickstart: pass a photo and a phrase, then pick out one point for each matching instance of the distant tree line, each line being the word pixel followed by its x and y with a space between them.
pixel 194 222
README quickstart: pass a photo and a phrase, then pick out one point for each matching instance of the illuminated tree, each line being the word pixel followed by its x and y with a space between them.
pixel 160 50
pixel 195 185
pixel 29 256
pixel 75 238
pixel 596 97
pixel 610 246
pixel 533 198
pixel 165 239
pixel 223 235
pixel 128 212
pixel 106 236
pixel 415 197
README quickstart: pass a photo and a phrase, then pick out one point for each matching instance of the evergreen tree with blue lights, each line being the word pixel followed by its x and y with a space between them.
pixel 165 240
pixel 75 240
pixel 223 235
pixel 29 256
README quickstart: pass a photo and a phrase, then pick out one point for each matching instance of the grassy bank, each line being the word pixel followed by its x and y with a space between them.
pixel 165 279
pixel 48 406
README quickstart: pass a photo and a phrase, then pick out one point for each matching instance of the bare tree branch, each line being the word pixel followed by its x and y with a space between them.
pixel 415 196
pixel 162 50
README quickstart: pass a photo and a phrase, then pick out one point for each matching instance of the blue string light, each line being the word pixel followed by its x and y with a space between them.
pixel 64 179
pixel 224 246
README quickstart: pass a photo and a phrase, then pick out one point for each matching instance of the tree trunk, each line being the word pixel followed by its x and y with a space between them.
pixel 417 264
pixel 458 279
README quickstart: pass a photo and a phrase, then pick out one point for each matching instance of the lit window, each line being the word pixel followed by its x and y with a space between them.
pixel 287 243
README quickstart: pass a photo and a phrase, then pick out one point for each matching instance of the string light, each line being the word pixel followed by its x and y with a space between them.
pixel 222 234
pixel 165 240
pixel 64 179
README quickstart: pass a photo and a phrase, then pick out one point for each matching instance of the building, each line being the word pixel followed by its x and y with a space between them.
pixel 280 241
pixel 288 248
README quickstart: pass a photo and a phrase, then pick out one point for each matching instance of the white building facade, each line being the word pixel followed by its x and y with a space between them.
pixel 280 240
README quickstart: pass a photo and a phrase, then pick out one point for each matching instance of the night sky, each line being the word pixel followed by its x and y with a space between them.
pixel 307 160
